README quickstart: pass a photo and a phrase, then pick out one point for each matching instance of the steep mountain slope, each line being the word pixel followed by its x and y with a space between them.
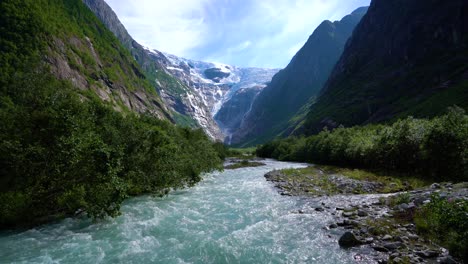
pixel 405 57
pixel 90 57
pixel 302 79
pixel 193 90
pixel 174 93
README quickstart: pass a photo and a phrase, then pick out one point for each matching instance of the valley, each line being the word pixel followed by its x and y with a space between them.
pixel 115 151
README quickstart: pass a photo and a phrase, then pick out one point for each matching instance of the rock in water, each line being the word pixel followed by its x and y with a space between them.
pixel 348 239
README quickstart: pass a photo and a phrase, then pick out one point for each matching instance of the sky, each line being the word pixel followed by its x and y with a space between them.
pixel 244 33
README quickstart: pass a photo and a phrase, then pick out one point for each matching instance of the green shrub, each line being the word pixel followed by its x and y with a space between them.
pixel 436 148
pixel 446 221
pixel 59 154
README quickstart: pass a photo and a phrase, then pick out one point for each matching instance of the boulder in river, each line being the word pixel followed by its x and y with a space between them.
pixel 348 239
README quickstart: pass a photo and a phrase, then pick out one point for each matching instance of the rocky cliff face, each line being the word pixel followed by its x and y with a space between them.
pixel 406 57
pixel 92 59
pixel 301 80
pixel 193 91
pixel 233 111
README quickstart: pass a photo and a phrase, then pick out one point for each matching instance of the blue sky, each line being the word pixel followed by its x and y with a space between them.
pixel 246 33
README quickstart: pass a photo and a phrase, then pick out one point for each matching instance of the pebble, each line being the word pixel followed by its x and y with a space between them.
pixel 387 237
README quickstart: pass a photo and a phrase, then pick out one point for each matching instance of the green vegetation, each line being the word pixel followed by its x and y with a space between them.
pixel 242 153
pixel 63 150
pixel 390 182
pixel 59 154
pixel 401 198
pixel 317 183
pixel 446 222
pixel 244 164
pixel 318 176
pixel 436 149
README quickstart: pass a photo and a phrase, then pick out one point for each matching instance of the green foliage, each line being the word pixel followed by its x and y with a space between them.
pixel 60 153
pixel 400 199
pixel 446 221
pixel 436 148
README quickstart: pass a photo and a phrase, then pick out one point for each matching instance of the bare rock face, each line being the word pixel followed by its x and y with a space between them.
pixel 233 111
pixel 67 62
pixel 216 74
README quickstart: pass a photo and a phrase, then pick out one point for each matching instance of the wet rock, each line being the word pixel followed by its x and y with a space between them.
pixel 362 213
pixel 348 239
pixel 332 226
pixel 402 207
pixel 319 209
pixel 393 246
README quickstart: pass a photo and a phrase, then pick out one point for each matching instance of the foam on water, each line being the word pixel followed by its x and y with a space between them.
pixel 233 216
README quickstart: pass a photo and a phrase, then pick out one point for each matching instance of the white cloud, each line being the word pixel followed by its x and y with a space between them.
pixel 174 26
pixel 240 32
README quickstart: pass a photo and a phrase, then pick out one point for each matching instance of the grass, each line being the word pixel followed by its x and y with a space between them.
pixel 311 177
pixel 392 182
pixel 316 176
pixel 242 153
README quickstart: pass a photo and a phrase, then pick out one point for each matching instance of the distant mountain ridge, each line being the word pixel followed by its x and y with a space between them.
pixel 298 83
pixel 406 57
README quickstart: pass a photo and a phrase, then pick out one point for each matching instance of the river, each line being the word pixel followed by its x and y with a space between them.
pixel 234 216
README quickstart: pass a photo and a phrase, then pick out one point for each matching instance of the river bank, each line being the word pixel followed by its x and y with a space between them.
pixel 231 216
pixel 375 218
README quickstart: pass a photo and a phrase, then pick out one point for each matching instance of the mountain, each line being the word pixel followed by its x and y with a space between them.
pixel 299 82
pixel 406 57
pixel 90 58
pixel 82 128
pixel 193 90
pixel 218 84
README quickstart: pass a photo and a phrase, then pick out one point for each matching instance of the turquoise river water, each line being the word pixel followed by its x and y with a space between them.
pixel 234 216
